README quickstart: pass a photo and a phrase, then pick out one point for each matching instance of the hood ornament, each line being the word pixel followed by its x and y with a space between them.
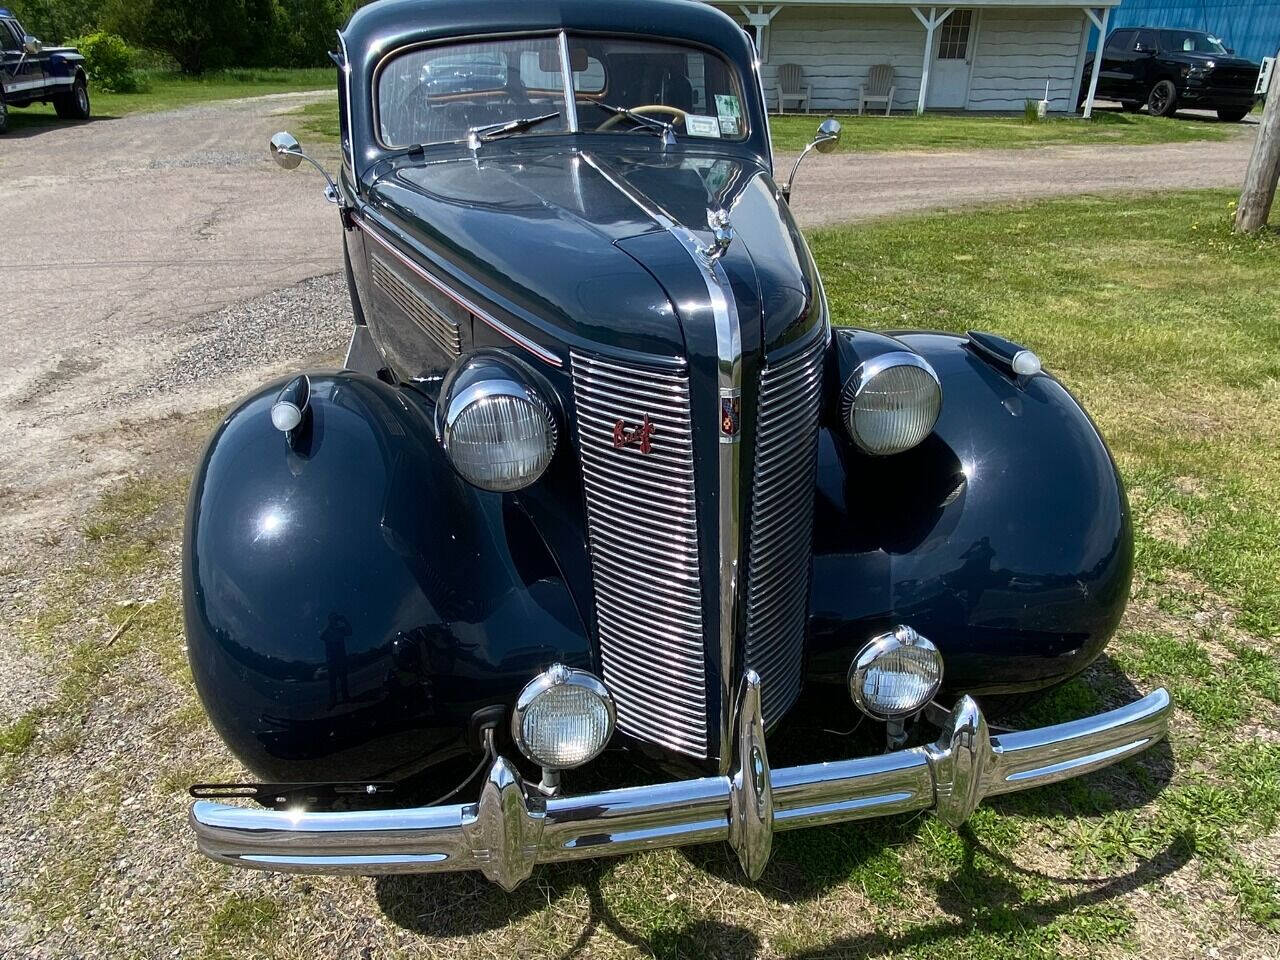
pixel 721 233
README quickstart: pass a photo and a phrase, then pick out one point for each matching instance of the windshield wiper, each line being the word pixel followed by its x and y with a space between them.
pixel 653 125
pixel 491 131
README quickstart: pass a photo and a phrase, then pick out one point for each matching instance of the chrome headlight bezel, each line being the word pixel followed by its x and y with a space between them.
pixel 857 386
pixel 555 676
pixel 877 649
pixel 481 381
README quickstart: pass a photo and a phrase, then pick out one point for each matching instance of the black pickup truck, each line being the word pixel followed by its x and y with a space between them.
pixel 33 73
pixel 1170 69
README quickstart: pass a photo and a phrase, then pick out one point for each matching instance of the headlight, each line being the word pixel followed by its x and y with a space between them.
pixel 563 718
pixel 891 403
pixel 498 432
pixel 895 675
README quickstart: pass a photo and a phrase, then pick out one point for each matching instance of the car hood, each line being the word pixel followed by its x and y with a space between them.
pixel 1218 61
pixel 589 248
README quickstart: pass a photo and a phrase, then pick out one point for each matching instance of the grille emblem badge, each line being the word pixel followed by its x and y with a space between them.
pixel 730 415
pixel 641 436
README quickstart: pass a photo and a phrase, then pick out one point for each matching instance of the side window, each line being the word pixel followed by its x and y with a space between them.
pixel 590 79
pixel 541 71
pixel 1119 41
pixel 1145 42
pixel 8 41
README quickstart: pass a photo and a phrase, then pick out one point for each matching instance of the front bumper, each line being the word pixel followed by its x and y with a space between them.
pixel 510 830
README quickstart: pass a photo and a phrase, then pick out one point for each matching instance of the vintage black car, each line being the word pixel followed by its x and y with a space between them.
pixel 1170 69
pixel 600 473
pixel 33 73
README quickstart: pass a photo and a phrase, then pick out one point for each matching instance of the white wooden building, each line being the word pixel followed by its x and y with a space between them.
pixel 991 55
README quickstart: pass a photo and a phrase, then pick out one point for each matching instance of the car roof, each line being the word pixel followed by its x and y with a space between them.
pixel 391 23
pixel 381 28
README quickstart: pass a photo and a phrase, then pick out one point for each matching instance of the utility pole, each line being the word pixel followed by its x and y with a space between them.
pixel 1264 170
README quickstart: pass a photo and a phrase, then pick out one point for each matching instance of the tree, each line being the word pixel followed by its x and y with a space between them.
pixel 55 20
pixel 198 34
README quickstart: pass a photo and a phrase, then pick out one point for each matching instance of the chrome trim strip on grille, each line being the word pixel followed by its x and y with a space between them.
pixel 375 234
pixel 781 535
pixel 724 307
pixel 643 533
pixel 444 332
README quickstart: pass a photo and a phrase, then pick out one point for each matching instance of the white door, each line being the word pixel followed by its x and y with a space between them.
pixel 952 53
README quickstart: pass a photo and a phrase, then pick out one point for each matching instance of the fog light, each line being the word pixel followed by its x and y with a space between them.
pixel 895 675
pixel 563 718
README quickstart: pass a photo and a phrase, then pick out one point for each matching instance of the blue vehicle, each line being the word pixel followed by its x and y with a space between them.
pixel 33 73
pixel 599 474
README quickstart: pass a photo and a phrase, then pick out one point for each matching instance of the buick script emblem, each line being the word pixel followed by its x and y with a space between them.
pixel 641 435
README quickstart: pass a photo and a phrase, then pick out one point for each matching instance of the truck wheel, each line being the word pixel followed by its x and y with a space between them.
pixel 4 114
pixel 73 105
pixel 1163 99
pixel 1231 115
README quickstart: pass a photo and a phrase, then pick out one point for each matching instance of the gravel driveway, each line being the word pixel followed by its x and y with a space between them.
pixel 841 187
pixel 132 237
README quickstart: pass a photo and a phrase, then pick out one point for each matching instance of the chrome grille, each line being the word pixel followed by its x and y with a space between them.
pixel 643 534
pixel 781 543
pixel 432 320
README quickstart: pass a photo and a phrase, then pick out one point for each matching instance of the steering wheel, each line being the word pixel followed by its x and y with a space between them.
pixel 679 115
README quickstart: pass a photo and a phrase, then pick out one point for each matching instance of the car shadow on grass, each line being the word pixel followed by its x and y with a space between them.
pixel 810 864
pixel 977 900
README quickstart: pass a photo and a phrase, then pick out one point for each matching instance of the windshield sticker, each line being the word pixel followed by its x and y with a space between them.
pixel 697 125
pixel 730 112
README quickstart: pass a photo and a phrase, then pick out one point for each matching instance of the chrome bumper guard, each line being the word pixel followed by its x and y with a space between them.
pixel 511 829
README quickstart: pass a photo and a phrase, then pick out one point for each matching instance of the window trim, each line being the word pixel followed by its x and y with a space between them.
pixel 385 60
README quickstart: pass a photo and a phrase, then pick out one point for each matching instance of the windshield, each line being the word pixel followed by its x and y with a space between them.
pixel 1191 41
pixel 438 94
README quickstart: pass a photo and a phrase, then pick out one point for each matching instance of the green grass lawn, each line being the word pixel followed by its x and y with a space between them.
pixel 1162 321
pixel 953 131
pixel 166 90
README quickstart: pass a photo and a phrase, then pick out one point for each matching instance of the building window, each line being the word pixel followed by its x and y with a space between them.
pixel 953 37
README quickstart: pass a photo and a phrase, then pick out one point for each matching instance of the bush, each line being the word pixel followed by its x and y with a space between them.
pixel 1031 111
pixel 109 62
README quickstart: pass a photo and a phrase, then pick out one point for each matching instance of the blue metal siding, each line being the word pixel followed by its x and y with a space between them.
pixel 1250 27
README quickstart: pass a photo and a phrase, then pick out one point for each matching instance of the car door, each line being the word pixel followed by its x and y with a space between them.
pixel 1115 64
pixel 23 74
pixel 1146 49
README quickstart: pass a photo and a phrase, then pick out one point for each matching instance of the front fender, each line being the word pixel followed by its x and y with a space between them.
pixel 1005 537
pixel 350 602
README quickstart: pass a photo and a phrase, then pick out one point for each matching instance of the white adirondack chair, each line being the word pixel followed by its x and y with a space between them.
pixel 791 86
pixel 880 87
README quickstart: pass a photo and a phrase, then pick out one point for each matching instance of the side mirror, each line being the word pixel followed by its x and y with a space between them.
pixel 31 46
pixel 824 141
pixel 828 135
pixel 286 150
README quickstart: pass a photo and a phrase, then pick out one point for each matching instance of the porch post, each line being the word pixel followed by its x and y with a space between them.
pixel 759 21
pixel 930 24
pixel 1101 24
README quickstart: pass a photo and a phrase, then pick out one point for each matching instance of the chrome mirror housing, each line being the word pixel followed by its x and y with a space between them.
pixel 286 150
pixel 824 141
pixel 828 135
pixel 31 46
